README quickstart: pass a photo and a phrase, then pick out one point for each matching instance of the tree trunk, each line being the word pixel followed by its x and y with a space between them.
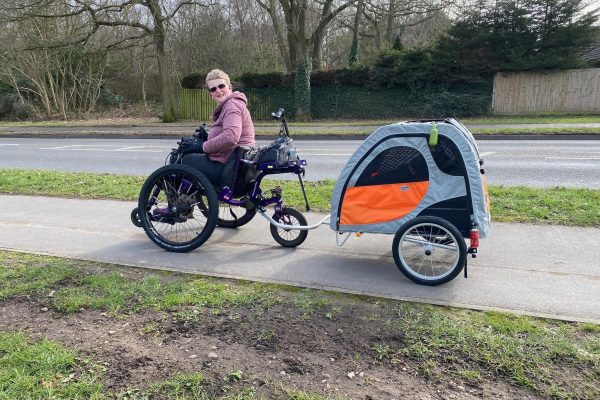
pixel 318 37
pixel 158 35
pixel 355 37
pixel 302 89
pixel 280 39
pixel 391 18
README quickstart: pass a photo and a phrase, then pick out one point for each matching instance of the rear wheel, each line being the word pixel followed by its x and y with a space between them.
pixel 429 250
pixel 179 208
pixel 289 237
pixel 234 216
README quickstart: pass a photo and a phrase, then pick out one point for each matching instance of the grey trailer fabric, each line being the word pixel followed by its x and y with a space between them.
pixel 441 185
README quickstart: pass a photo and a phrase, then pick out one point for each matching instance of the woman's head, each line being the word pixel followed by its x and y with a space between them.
pixel 218 84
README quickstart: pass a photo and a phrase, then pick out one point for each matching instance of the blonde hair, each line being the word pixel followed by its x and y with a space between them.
pixel 218 74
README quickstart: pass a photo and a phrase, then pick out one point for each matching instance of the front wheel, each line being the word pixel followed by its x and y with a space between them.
pixel 135 218
pixel 289 237
pixel 178 208
pixel 429 250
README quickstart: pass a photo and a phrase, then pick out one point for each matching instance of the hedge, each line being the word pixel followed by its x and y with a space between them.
pixel 363 92
pixel 340 102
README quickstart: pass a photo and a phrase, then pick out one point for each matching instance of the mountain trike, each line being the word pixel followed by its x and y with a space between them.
pixel 421 181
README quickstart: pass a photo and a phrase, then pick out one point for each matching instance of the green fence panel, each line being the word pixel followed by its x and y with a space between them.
pixel 196 104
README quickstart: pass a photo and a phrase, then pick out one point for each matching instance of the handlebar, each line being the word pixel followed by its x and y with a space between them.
pixel 201 132
pixel 277 115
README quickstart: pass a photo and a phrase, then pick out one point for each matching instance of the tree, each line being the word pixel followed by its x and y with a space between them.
pixel 142 18
pixel 514 35
pixel 389 18
pixel 45 69
pixel 302 45
pixel 355 33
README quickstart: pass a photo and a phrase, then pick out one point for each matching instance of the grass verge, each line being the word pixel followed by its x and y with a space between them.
pixel 564 206
pixel 551 358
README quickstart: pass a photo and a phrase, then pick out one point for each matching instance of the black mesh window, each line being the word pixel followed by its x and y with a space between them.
pixel 396 165
pixel 447 157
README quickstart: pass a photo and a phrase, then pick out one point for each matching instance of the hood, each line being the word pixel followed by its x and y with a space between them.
pixel 235 97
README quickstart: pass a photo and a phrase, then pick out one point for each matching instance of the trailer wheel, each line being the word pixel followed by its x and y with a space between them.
pixel 429 250
pixel 289 237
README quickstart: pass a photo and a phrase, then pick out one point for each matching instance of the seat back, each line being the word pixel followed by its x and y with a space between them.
pixel 237 175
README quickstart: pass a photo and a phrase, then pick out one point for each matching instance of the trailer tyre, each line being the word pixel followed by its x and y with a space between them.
pixel 429 250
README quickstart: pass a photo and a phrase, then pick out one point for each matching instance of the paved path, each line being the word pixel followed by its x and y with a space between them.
pixel 268 131
pixel 550 271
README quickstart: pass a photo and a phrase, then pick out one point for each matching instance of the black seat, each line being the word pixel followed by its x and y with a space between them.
pixel 237 175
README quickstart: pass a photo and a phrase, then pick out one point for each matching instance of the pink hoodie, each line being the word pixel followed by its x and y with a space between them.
pixel 231 127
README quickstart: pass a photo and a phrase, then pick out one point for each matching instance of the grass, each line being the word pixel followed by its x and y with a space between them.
pixel 530 352
pixel 114 291
pixel 552 358
pixel 43 369
pixel 565 206
pixel 535 131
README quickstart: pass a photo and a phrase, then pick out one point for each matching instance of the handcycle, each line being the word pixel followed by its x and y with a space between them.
pixel 181 207
pixel 422 181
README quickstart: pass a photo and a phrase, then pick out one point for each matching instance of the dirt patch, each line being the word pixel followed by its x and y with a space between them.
pixel 277 348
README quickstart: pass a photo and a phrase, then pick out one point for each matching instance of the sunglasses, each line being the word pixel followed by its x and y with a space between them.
pixel 214 88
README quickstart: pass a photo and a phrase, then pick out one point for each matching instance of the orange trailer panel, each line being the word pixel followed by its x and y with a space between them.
pixel 381 203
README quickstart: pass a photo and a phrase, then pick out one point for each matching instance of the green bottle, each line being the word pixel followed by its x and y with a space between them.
pixel 433 135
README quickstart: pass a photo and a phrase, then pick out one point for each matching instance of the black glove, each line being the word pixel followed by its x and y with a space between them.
pixel 202 133
pixel 190 145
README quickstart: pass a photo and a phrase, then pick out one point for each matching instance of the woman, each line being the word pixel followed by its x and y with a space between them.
pixel 231 127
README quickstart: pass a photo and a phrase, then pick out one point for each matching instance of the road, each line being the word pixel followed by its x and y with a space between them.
pixel 538 163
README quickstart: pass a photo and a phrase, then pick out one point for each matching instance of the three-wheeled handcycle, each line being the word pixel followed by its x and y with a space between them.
pixel 422 181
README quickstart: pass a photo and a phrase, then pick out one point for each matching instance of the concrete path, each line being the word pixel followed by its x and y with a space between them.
pixel 325 131
pixel 550 271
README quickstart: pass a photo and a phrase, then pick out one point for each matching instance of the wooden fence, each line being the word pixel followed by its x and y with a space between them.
pixel 197 104
pixel 570 91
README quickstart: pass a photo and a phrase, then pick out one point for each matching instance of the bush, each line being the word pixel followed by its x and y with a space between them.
pixel 388 58
pixel 10 107
pixel 268 80
pixel 323 78
pixel 193 81
pixel 354 76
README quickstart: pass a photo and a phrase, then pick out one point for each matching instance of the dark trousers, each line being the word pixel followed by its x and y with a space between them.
pixel 200 161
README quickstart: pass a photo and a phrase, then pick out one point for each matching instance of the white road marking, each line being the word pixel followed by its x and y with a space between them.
pixel 9 144
pixel 324 154
pixel 95 147
pixel 572 158
pixel 141 148
pixel 487 153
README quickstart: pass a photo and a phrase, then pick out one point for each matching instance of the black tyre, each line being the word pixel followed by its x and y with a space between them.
pixel 180 207
pixel 289 237
pixel 135 218
pixel 234 216
pixel 429 250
